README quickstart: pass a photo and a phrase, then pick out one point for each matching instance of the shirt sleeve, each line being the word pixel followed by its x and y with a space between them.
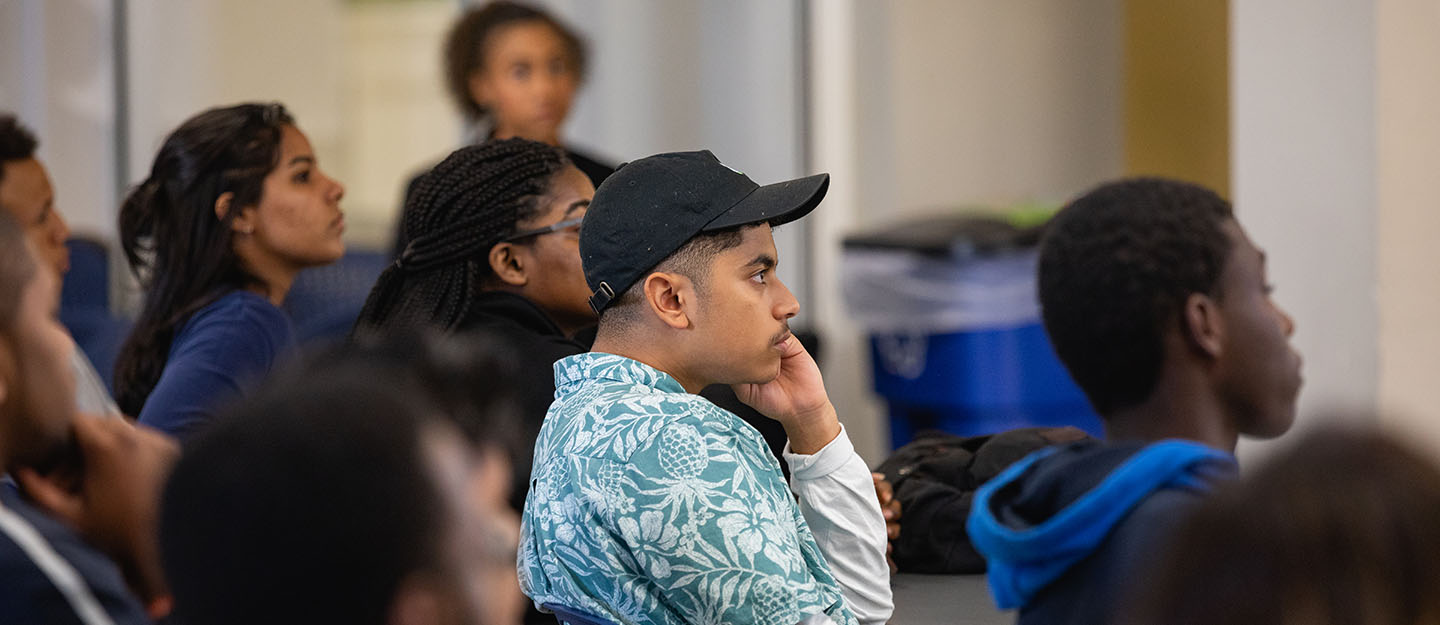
pixel 714 530
pixel 213 362
pixel 837 497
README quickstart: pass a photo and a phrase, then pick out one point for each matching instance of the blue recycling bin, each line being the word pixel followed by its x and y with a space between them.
pixel 956 340
pixel 975 382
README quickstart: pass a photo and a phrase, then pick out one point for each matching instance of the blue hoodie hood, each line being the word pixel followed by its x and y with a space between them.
pixel 1053 508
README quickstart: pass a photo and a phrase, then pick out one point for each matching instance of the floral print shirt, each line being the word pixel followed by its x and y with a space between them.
pixel 649 504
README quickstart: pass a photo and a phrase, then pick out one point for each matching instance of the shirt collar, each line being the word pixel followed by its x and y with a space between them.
pixel 605 367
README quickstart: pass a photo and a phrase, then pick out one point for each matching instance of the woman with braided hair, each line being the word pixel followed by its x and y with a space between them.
pixel 494 246
pixel 492 227
pixel 234 207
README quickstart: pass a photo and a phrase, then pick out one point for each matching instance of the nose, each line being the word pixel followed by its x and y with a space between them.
pixel 62 229
pixel 1287 323
pixel 786 306
pixel 337 190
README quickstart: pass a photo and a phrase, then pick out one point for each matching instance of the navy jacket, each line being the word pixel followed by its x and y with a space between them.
pixel 49 575
pixel 217 356
pixel 1065 530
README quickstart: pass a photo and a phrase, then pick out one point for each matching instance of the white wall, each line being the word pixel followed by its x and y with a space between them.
pixel 1408 159
pixel 56 74
pixel 1304 180
pixel 670 76
pixel 362 80
pixel 922 105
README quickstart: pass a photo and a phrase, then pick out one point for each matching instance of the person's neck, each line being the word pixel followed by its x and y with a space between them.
pixel 274 281
pixel 654 353
pixel 1183 406
pixel 552 138
pixel 569 325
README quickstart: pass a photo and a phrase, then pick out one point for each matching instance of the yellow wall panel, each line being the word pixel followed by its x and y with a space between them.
pixel 1177 94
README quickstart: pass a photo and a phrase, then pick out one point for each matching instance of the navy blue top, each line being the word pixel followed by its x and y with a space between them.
pixel 1064 530
pixel 40 561
pixel 220 352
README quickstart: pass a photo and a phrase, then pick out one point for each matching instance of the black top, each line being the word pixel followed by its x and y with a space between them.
pixel 541 343
pixel 595 170
pixel 36 552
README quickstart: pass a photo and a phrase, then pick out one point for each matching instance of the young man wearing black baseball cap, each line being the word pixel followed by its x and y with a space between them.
pixel 647 502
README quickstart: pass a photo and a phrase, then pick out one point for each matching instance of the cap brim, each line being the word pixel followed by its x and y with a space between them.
pixel 778 203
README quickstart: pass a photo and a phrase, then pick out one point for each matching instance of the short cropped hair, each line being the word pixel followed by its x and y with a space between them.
pixel 1116 266
pixel 312 503
pixel 17 268
pixel 692 260
pixel 16 142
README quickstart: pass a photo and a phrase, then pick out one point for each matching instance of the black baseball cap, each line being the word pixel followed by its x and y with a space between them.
pixel 650 208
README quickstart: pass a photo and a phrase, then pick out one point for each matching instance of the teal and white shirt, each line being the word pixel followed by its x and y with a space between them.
pixel 649 504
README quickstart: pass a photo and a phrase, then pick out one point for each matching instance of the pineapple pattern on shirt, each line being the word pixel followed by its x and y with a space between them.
pixel 650 505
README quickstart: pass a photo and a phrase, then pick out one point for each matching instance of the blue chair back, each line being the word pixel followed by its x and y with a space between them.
pixel 324 301
pixel 87 284
pixel 85 305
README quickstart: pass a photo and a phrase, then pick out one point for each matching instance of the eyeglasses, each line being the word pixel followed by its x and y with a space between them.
pixel 569 224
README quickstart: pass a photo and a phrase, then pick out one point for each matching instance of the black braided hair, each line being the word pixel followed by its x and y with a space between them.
pixel 456 213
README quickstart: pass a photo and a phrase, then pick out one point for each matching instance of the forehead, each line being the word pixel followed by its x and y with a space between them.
pixel 293 143
pixel 25 182
pixel 570 183
pixel 755 241
pixel 1243 254
pixel 525 38
pixel 567 197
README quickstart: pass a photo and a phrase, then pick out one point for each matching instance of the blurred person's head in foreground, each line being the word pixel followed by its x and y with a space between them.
pixel 369 486
pixel 1158 304
pixel 37 386
pixel 1340 529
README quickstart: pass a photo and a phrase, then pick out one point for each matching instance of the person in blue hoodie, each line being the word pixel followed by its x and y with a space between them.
pixel 1158 304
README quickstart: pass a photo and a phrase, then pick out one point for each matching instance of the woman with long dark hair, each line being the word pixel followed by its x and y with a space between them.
pixel 234 207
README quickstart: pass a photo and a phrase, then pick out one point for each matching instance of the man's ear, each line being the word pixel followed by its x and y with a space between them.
pixel 1202 326
pixel 242 223
pixel 508 264
pixel 671 297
